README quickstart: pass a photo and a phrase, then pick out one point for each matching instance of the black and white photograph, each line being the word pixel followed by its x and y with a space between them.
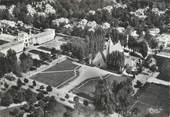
pixel 84 58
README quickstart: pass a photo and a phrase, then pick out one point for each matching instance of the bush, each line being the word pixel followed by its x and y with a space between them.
pixel 40 96
pixel 33 83
pixel 85 102
pixel 6 85
pixel 42 87
pixel 67 96
pixel 6 100
pixel 49 88
pixel 26 80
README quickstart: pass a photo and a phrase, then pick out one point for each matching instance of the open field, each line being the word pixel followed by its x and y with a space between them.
pixel 164 68
pixel 154 96
pixel 53 79
pixel 64 65
pixel 87 88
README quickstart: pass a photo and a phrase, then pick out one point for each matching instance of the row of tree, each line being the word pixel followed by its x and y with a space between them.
pixel 9 63
pixel 116 61
pixel 93 43
pixel 112 97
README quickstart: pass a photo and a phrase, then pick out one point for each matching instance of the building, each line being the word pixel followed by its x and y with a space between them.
pixel 24 40
pixel 100 58
pixel 36 39
pixel 18 46
pixel 164 39
pixel 40 38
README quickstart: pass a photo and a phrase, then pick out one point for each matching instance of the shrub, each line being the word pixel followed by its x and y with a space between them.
pixel 6 100
pixel 33 83
pixel 67 96
pixel 26 80
pixel 85 102
pixel 40 96
pixel 42 87
pixel 49 88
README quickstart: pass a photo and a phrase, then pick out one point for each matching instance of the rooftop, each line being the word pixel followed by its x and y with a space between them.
pixel 7 37
pixel 8 45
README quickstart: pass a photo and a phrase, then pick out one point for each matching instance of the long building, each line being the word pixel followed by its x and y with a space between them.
pixel 18 46
pixel 24 40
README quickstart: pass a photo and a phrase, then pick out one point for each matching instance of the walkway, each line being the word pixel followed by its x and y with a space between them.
pixel 158 81
pixel 12 106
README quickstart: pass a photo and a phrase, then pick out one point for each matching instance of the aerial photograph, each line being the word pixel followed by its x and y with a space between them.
pixel 84 58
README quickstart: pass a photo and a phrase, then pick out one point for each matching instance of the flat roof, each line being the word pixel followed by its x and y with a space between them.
pixel 8 45
pixel 7 37
pixel 164 37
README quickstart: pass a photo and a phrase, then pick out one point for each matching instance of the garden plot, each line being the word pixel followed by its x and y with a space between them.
pixel 57 74
pixel 53 78
pixel 64 65
pixel 87 88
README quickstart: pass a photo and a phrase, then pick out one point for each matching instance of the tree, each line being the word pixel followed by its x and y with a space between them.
pixel 19 82
pixel 67 114
pixel 96 41
pixel 12 61
pixel 143 48
pixel 26 62
pixel 38 112
pixel 26 80
pixel 51 104
pixel 6 99
pixel 40 96
pixel 19 97
pixel 115 61
pixel 53 51
pixel 104 99
pixel 3 65
pixel 16 112
pixel 30 96
pixel 33 83
pixel 49 88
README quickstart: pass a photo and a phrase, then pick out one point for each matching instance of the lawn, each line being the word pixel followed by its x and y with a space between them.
pixel 153 96
pixel 87 88
pixel 53 79
pixel 3 42
pixel 64 65
pixel 157 96
pixel 164 67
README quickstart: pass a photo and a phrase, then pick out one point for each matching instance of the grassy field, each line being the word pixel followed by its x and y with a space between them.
pixel 65 65
pixel 155 96
pixel 53 79
pixel 164 68
pixel 87 88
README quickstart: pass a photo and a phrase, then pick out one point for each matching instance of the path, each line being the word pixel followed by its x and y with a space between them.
pixel 45 72
pixel 158 81
pixel 12 106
